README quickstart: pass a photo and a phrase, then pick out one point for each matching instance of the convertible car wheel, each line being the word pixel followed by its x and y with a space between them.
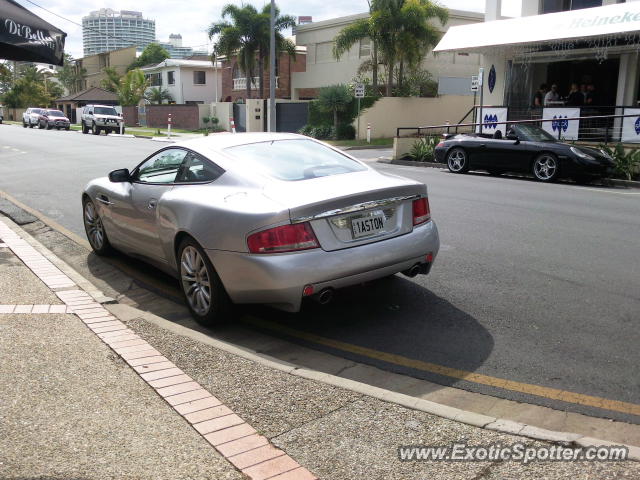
pixel 457 161
pixel 545 167
pixel 95 229
pixel 206 297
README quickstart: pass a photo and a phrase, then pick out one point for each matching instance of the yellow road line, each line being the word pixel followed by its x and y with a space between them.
pixel 545 392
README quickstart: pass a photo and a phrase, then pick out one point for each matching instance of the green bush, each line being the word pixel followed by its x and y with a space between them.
pixel 626 162
pixel 318 117
pixel 423 150
pixel 306 130
pixel 346 132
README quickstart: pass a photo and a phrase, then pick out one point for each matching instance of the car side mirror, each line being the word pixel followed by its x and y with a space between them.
pixel 119 176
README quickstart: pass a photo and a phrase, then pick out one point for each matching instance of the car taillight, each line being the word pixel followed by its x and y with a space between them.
pixel 421 211
pixel 287 238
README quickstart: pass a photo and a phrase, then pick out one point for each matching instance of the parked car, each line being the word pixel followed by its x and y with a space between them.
pixel 261 218
pixel 525 149
pixel 31 117
pixel 1 113
pixel 98 118
pixel 53 119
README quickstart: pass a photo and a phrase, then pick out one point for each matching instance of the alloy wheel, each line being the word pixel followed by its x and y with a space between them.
pixel 195 280
pixel 456 161
pixel 545 167
pixel 93 226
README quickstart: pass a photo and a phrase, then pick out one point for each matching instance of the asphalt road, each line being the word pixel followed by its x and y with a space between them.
pixel 534 283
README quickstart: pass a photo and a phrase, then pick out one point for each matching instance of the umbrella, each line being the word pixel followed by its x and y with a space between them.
pixel 25 36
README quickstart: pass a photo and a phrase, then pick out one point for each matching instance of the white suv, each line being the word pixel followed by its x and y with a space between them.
pixel 101 117
pixel 31 117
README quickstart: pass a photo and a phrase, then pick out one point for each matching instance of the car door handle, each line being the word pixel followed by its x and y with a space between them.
pixel 483 145
pixel 152 204
pixel 104 199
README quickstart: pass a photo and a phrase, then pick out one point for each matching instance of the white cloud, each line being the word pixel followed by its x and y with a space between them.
pixel 191 19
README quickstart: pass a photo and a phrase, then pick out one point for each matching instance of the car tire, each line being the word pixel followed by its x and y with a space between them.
pixel 24 124
pixel 95 129
pixel 545 167
pixel 49 127
pixel 57 128
pixel 85 129
pixel 94 228
pixel 107 131
pixel 67 128
pixel 196 271
pixel 30 124
pixel 457 160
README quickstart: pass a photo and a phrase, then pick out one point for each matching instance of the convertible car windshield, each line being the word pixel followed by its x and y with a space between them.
pixel 533 133
pixel 293 160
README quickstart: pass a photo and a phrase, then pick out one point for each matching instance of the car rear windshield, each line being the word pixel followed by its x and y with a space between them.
pixel 293 160
pixel 105 111
pixel 55 113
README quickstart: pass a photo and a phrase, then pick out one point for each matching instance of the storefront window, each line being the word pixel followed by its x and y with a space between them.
pixel 551 6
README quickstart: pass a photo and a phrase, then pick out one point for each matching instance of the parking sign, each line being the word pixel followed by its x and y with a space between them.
pixel 474 83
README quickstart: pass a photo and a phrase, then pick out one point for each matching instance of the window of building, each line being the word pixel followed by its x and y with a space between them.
pixel 155 79
pixel 551 6
pixel 199 77
pixel 171 78
pixel 365 48
pixel 324 52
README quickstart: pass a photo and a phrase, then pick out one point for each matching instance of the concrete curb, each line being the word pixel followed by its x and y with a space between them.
pixel 366 147
pixel 126 313
pixel 411 163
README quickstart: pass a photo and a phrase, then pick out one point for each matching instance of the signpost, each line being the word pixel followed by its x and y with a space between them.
pixel 480 84
pixel 359 92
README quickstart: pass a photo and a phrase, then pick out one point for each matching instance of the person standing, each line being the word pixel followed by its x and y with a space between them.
pixel 552 95
pixel 538 98
pixel 592 95
pixel 575 98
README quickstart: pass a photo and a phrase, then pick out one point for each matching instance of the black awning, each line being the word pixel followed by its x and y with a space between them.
pixel 25 36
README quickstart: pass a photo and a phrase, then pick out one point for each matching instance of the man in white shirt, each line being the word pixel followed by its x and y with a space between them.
pixel 552 95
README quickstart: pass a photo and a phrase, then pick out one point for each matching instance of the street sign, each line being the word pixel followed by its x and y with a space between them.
pixel 359 90
pixel 481 76
pixel 474 83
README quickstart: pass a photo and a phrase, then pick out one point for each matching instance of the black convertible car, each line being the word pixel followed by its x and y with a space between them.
pixel 525 149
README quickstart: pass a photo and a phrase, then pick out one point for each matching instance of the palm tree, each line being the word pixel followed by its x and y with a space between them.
pixel 112 81
pixel 400 32
pixel 132 87
pixel 158 95
pixel 359 30
pixel 335 98
pixel 282 22
pixel 238 37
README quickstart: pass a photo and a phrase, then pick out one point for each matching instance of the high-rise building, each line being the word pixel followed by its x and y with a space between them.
pixel 106 29
pixel 176 50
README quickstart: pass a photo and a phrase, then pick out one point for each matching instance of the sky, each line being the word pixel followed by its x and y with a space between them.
pixel 190 19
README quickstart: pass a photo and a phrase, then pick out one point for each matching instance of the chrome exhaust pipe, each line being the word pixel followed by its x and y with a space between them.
pixel 324 297
pixel 413 271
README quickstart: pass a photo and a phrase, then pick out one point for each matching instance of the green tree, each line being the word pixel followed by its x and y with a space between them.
pixel 335 98
pixel 71 75
pixel 152 54
pixel 401 34
pixel 238 37
pixel 282 22
pixel 6 78
pixel 158 95
pixel 132 88
pixel 112 81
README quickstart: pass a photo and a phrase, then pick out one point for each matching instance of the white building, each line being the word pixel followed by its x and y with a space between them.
pixel 106 29
pixel 590 42
pixel 176 50
pixel 322 69
pixel 187 81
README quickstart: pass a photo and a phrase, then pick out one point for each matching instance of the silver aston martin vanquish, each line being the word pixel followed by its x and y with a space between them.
pixel 261 218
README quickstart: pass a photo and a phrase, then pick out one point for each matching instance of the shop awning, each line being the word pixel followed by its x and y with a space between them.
pixel 26 37
pixel 585 24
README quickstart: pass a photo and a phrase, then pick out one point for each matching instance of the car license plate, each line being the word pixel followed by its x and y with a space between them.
pixel 367 226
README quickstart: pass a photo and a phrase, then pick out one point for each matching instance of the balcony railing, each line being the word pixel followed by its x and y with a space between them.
pixel 241 83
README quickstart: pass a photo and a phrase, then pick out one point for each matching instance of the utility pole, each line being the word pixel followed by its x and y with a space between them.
pixel 272 70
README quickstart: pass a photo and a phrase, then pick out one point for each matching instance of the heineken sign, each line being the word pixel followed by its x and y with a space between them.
pixel 628 17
